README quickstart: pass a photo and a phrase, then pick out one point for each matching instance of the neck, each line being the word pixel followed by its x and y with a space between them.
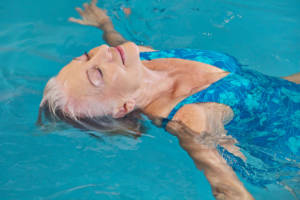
pixel 155 85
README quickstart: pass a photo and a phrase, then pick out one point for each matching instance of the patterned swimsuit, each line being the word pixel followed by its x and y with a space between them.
pixel 266 119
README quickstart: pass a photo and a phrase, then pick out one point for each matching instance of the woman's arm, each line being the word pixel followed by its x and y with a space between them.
pixel 223 180
pixel 94 16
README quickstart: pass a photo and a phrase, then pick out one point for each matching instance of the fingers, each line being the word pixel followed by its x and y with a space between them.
pixel 89 7
pixel 79 21
pixel 86 6
pixel 94 2
pixel 79 10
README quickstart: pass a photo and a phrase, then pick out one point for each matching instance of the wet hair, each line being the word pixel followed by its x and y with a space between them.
pixel 55 106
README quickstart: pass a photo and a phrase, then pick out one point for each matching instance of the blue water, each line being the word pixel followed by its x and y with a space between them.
pixel 65 163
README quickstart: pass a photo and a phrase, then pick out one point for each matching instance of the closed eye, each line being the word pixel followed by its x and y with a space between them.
pixel 95 76
pixel 100 71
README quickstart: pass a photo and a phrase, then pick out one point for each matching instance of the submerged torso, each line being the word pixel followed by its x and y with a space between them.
pixel 266 113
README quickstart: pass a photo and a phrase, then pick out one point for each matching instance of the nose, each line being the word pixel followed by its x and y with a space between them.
pixel 102 54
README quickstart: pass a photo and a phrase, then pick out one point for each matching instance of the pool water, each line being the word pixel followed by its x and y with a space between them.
pixel 36 40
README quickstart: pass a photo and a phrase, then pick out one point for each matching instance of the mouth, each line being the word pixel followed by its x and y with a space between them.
pixel 121 52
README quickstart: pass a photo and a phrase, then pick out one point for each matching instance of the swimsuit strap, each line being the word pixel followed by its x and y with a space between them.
pixel 217 59
pixel 202 96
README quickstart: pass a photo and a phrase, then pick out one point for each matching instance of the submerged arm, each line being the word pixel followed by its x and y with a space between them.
pixel 223 180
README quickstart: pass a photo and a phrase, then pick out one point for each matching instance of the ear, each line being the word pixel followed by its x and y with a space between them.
pixel 124 109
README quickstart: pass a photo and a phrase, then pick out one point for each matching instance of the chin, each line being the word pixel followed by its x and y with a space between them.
pixel 131 47
pixel 132 53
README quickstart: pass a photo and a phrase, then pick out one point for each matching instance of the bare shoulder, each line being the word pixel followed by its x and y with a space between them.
pixel 145 49
pixel 204 116
pixel 208 118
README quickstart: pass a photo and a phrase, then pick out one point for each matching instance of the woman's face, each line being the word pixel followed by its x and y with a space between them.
pixel 104 74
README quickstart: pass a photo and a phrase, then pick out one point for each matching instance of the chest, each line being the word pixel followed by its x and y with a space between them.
pixel 188 77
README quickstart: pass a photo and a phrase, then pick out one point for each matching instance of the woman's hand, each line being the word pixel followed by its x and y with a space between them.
pixel 91 15
pixel 94 16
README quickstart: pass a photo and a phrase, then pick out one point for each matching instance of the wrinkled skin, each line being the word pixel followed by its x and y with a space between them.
pixel 102 76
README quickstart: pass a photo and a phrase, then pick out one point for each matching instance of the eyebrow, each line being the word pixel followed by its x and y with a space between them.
pixel 85 53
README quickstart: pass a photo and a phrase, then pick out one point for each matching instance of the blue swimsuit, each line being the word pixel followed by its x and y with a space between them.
pixel 266 119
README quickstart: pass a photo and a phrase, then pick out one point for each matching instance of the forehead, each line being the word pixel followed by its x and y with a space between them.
pixel 75 82
pixel 73 78
pixel 94 50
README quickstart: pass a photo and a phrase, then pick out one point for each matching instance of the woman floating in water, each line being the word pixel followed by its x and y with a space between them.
pixel 204 98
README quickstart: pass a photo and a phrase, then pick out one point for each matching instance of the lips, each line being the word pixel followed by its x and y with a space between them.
pixel 121 52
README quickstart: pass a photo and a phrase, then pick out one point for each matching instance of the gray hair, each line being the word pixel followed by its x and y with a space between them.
pixel 56 102
pixel 55 98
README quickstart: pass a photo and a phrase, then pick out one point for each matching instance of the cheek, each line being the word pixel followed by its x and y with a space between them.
pixel 93 107
pixel 122 86
pixel 122 81
pixel 100 108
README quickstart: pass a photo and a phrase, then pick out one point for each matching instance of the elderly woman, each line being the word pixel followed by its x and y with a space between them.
pixel 191 93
